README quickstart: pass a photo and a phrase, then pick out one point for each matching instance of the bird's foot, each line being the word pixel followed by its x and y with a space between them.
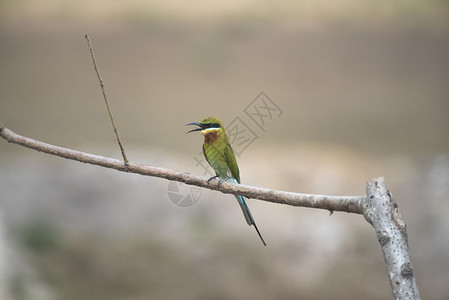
pixel 212 178
pixel 220 181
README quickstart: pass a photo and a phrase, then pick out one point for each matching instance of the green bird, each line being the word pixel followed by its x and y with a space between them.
pixel 218 153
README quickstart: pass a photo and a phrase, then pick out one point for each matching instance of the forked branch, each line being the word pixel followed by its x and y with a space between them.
pixel 378 207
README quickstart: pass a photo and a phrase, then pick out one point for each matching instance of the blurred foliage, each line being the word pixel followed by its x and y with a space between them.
pixel 39 237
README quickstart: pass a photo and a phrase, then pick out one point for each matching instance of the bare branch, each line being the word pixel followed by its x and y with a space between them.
pixel 383 213
pixel 377 207
pixel 350 204
pixel 103 90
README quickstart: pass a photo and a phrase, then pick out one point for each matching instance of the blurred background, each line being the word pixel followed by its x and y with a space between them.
pixel 361 90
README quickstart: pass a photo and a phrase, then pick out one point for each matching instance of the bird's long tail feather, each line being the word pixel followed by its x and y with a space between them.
pixel 248 216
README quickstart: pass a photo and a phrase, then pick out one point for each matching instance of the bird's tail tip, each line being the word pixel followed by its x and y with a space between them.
pixel 261 238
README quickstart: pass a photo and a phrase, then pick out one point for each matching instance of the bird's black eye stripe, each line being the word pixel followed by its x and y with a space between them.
pixel 213 125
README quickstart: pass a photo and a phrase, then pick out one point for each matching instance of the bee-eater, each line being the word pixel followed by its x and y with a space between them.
pixel 218 153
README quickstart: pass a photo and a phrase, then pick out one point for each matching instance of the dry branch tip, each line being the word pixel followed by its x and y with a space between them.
pixel 97 71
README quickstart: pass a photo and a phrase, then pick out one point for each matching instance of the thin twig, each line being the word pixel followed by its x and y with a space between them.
pixel 89 44
pixel 350 204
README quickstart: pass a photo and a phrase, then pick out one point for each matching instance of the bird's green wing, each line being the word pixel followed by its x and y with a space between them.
pixel 205 156
pixel 232 162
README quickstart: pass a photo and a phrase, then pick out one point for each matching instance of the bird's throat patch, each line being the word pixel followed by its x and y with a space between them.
pixel 210 135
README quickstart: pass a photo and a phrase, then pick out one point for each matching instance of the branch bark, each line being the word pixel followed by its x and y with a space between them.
pixel 377 206
pixel 350 204
pixel 383 214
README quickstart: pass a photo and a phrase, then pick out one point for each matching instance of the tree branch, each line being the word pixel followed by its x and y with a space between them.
pixel 350 204
pixel 377 207
pixel 383 214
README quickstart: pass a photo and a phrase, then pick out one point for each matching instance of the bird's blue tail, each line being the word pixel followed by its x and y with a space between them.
pixel 247 213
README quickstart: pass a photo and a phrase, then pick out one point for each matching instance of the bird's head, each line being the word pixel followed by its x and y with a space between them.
pixel 207 125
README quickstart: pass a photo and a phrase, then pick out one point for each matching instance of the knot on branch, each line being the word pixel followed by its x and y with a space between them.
pixel 383 237
pixel 407 270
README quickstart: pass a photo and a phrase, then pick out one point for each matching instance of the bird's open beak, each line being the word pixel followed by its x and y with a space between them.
pixel 200 127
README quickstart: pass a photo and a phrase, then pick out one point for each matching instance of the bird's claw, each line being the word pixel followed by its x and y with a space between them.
pixel 212 178
pixel 220 181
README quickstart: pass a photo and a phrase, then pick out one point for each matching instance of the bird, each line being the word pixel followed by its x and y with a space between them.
pixel 219 154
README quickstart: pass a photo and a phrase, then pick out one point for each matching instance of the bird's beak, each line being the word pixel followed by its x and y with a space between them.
pixel 200 127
